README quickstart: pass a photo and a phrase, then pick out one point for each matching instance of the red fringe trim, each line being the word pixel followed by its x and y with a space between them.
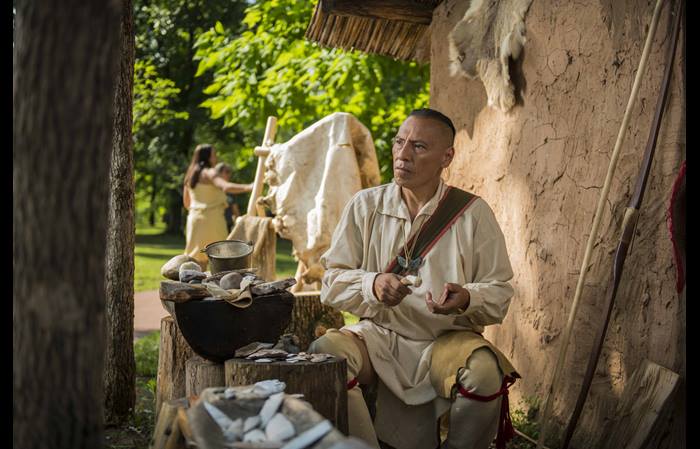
pixel 505 426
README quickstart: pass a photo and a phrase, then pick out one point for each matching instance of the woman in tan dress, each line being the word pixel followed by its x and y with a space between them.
pixel 204 196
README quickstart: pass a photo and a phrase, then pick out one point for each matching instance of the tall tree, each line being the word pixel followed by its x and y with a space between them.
pixel 168 119
pixel 119 373
pixel 64 62
pixel 270 68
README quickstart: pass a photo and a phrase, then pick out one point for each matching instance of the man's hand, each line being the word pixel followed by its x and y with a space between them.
pixel 454 298
pixel 389 290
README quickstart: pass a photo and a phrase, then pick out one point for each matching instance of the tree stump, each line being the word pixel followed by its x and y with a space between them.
pixel 311 318
pixel 172 355
pixel 201 374
pixel 324 384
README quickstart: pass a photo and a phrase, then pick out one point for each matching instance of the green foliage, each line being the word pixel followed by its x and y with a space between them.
pixel 525 420
pixel 270 69
pixel 168 122
pixel 146 355
pixel 152 99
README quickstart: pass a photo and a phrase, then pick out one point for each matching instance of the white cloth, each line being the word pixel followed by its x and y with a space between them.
pixel 399 339
pixel 311 179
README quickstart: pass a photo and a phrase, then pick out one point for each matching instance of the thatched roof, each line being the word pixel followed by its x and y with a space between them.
pixel 396 28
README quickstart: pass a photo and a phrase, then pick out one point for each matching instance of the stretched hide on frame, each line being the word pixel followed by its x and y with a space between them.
pixel 490 32
pixel 311 179
pixel 260 231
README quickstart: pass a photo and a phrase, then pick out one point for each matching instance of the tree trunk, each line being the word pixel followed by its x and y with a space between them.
pixel 311 318
pixel 174 214
pixel 65 58
pixel 152 211
pixel 172 355
pixel 119 375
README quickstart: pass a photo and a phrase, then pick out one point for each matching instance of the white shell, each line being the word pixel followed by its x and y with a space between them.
pixel 254 436
pixel 279 428
pixel 270 407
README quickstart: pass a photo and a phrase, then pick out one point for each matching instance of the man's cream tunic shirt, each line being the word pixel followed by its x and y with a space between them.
pixel 399 339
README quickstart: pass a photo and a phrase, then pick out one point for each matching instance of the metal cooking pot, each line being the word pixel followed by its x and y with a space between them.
pixel 228 255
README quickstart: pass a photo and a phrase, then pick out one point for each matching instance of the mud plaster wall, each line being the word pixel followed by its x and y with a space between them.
pixel 542 166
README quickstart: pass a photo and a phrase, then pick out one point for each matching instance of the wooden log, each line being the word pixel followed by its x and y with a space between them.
pixel 311 318
pixel 200 374
pixel 180 291
pixel 324 384
pixel 172 355
pixel 645 407
pixel 164 424
pixel 395 10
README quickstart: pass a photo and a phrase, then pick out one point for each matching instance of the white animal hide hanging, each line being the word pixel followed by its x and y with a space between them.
pixel 311 179
pixel 490 32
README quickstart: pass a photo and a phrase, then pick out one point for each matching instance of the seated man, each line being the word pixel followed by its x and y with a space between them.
pixel 421 340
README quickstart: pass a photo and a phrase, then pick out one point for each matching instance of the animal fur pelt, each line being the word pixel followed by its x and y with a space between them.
pixel 490 32
pixel 311 179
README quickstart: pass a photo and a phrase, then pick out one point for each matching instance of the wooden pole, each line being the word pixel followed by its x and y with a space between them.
pixel 270 131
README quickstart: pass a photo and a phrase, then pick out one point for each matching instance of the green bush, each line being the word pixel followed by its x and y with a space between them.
pixel 146 355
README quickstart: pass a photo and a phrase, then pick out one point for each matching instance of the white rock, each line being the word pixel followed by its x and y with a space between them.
pixel 251 423
pixel 265 388
pixel 224 422
pixel 279 428
pixel 270 407
pixel 234 431
pixel 194 266
pixel 263 360
pixel 310 436
pixel 254 436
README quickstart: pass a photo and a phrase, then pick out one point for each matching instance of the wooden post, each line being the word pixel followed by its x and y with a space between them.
pixel 311 319
pixel 324 384
pixel 261 152
pixel 172 355
pixel 201 374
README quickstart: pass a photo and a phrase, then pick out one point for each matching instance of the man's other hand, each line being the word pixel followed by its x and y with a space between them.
pixel 389 290
pixel 454 299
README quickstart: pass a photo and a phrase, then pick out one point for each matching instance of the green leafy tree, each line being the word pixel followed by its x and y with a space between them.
pixel 168 121
pixel 271 69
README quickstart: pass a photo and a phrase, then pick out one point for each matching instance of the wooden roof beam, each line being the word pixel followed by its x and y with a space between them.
pixel 410 11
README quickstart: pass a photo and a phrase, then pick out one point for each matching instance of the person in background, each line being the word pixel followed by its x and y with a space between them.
pixel 232 211
pixel 204 196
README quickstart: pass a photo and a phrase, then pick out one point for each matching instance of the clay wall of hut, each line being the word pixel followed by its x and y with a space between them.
pixel 541 167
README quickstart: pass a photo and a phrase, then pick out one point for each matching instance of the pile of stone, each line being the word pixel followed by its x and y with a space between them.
pixel 269 428
pixel 285 350
pixel 234 286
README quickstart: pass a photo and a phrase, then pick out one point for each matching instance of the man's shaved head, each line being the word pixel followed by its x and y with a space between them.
pixel 436 115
